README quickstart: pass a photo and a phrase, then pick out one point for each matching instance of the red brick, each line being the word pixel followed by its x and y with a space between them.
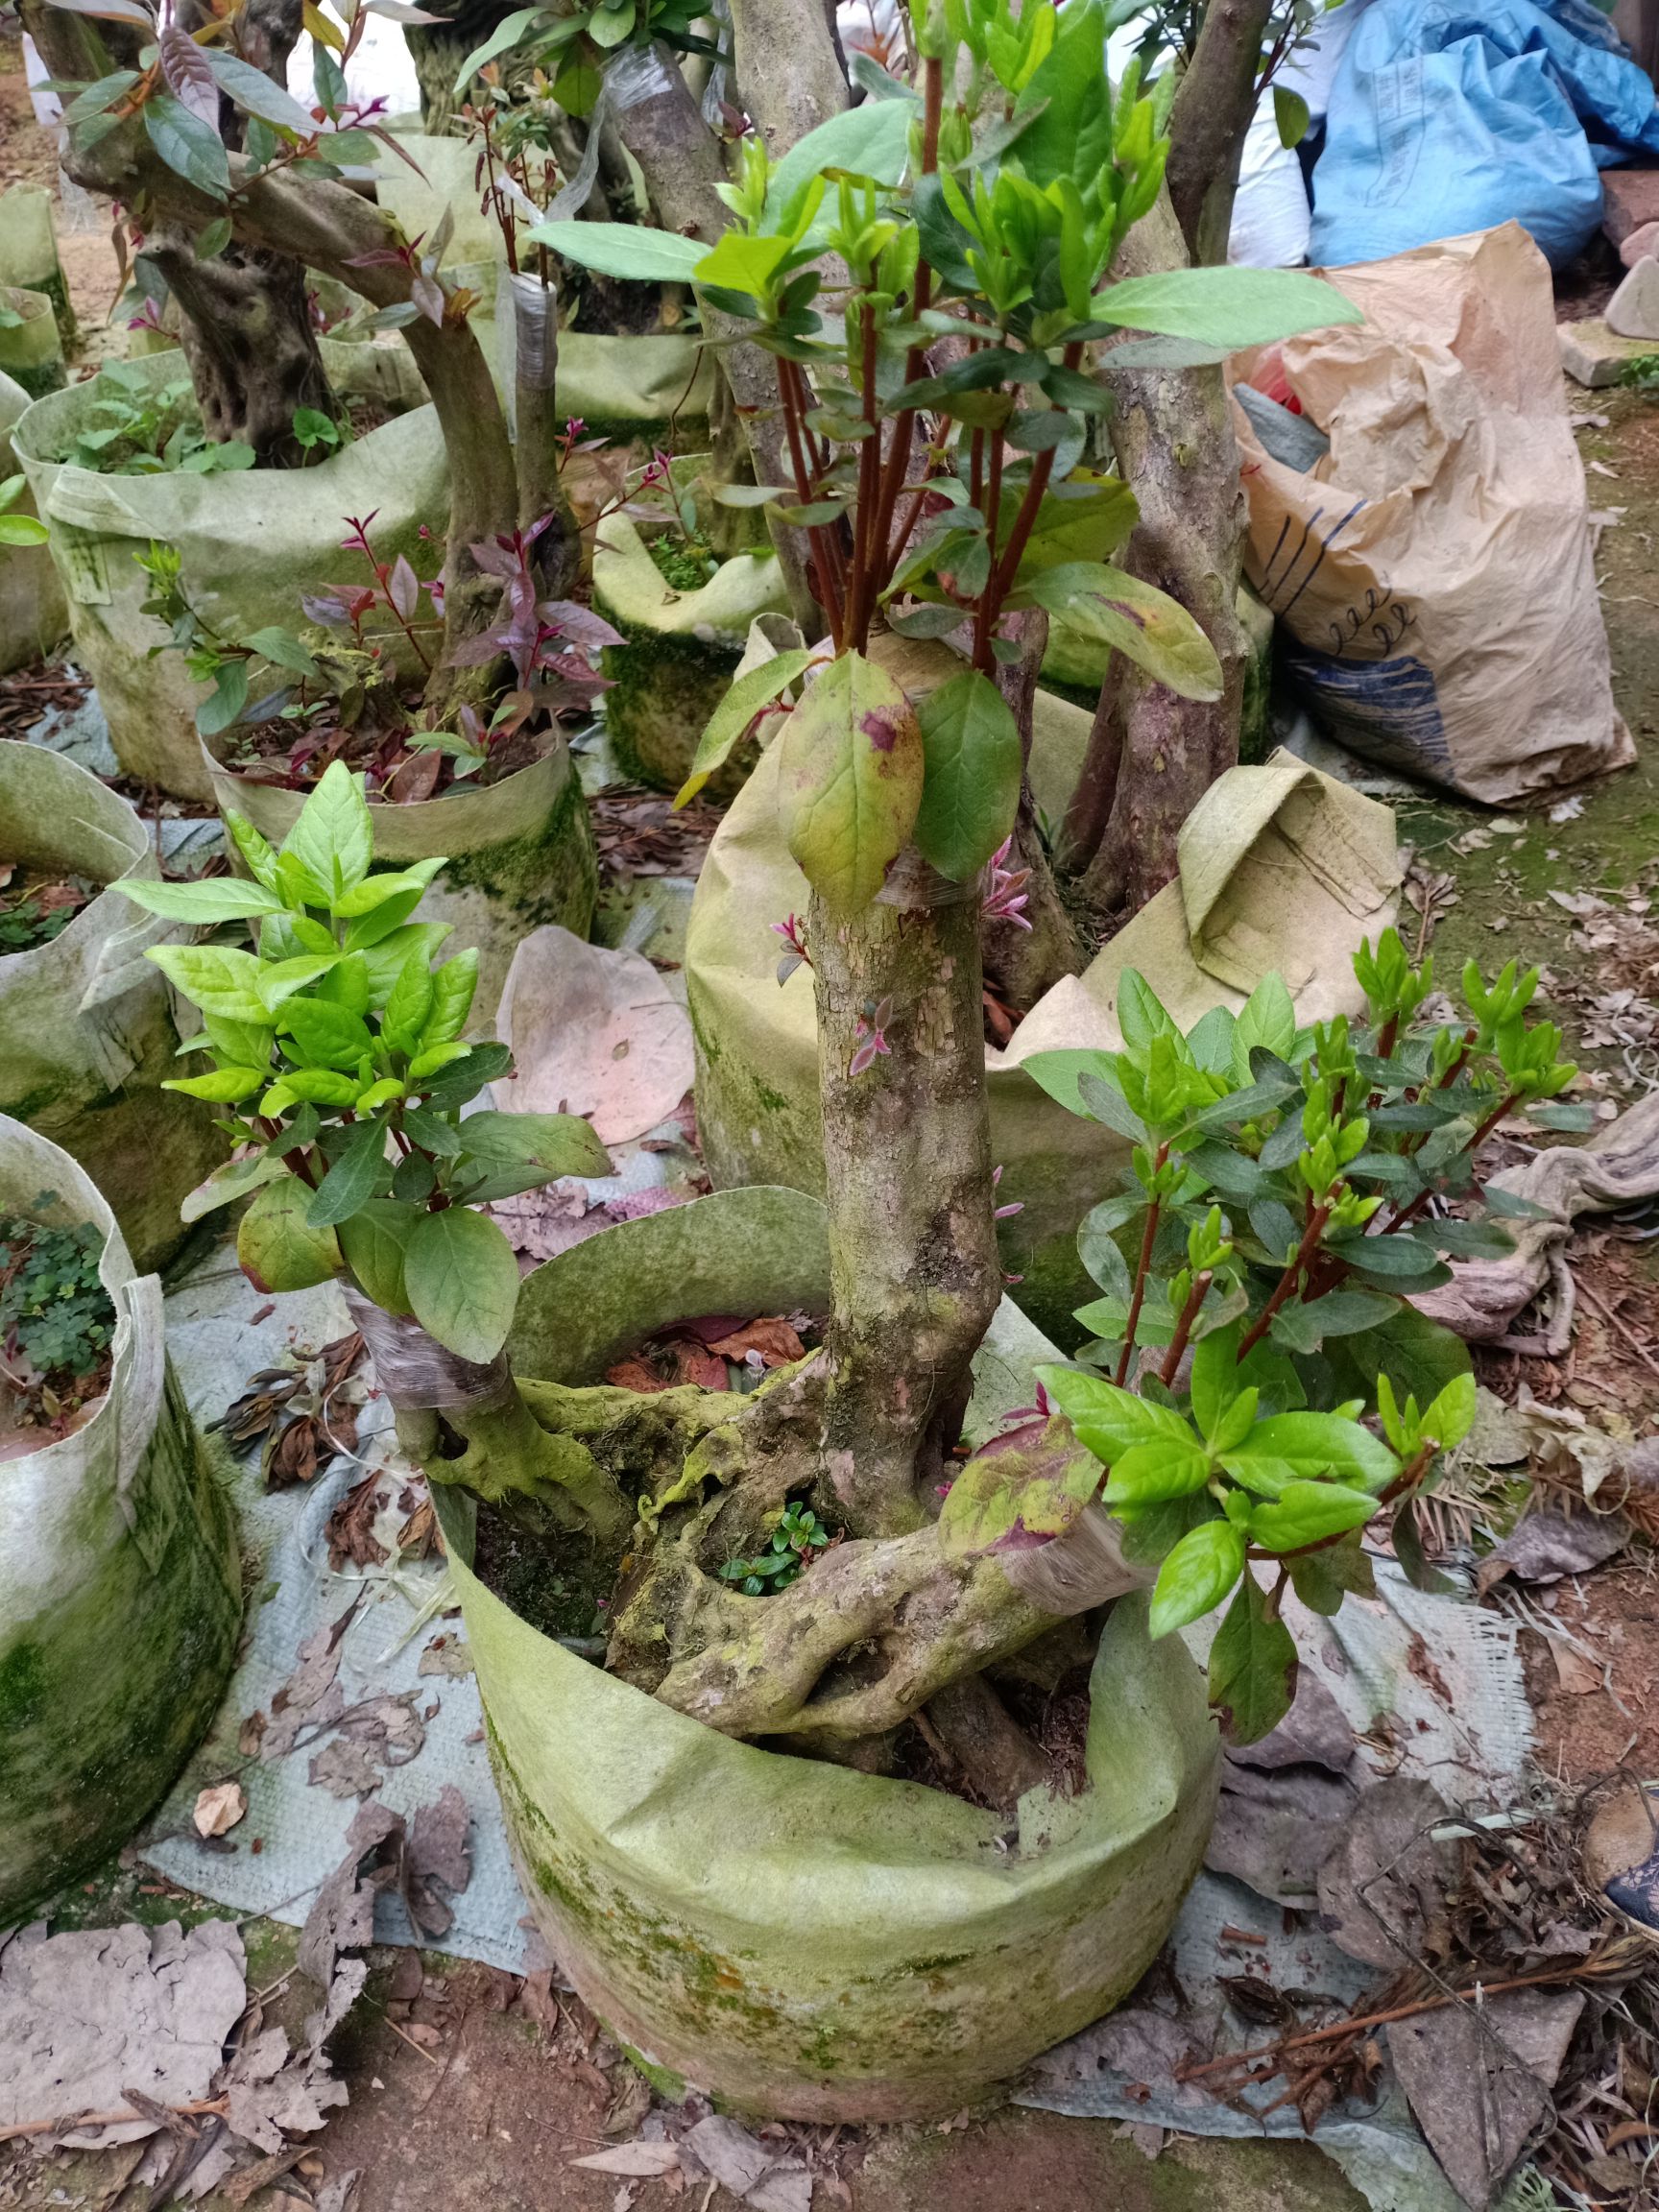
pixel 1631 198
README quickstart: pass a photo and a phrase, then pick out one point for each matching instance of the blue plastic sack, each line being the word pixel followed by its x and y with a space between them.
pixel 1446 119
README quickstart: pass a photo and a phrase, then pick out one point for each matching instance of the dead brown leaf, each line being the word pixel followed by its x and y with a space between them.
pixel 218 1808
pixel 350 1527
pixel 774 1340
pixel 637 1375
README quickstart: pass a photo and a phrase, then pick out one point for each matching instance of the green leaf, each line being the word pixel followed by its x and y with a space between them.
pixel 453 1085
pixel 1073 135
pixel 462 1281
pixel 452 988
pixel 851 772
pixel 1292 115
pixel 747 698
pixel 374 891
pixel 219 978
pixel 1062 1075
pixel 521 1151
pixel 224 704
pixel 1408 1542
pixel 1322 1579
pixel 278 1247
pixel 872 140
pixel 279 979
pixel 501 41
pixel 225 1085
pixel 353 1178
pixel 370 928
pixel 1289 1447
pixel 221 899
pixel 1196 1575
pixel 1152 1473
pixel 1450 1415
pixel 975 764
pixel 623 250
pixel 1217 1382
pixel 1141 1014
pixel 1113 608
pixel 738 263
pixel 1267 1018
pixel 190 147
pixel 1109 1419
pixel 282 649
pixel 1308 1512
pixel 321 1086
pixel 1252 1668
pixel 374 1241
pixel 257 94
pixel 259 856
pixel 226 1184
pixel 326 1035
pixel 1229 306
pixel 1304 1328
pixel 408 1006
pixel 333 839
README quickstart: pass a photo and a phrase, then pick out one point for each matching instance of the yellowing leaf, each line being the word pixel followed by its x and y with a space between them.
pixel 851 775
pixel 277 1246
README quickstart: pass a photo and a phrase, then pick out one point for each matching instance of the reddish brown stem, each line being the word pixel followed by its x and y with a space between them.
pixel 1143 1269
pixel 1287 1282
pixel 1195 1298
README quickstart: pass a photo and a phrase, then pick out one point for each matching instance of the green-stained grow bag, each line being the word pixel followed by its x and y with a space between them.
pixel 251 541
pixel 34 614
pixel 120 1583
pixel 520 855
pixel 794 1937
pixel 86 1029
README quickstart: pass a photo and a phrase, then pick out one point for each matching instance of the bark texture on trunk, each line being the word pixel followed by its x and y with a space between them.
pixel 1172 433
pixel 681 163
pixel 245 326
pixel 914 1270
pixel 789 74
pixel 1211 113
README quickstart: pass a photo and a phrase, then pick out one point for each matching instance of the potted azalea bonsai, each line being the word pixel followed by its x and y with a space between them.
pixel 819 1618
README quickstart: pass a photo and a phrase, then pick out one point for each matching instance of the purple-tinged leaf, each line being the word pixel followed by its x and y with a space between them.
pixel 476 652
pixel 404 588
pixel 382 257
pixel 112 11
pixel 189 75
pixel 428 296
pixel 495 560
pixel 580 624
pixel 324 607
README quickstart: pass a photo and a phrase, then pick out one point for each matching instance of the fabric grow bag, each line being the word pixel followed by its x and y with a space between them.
pixel 520 855
pixel 791 1937
pixel 1282 869
pixel 31 351
pixel 251 541
pixel 681 648
pixel 34 614
pixel 87 1030
pixel 120 1581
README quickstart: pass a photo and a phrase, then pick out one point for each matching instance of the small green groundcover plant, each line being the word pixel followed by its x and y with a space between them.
pixel 139 428
pixel 1259 1390
pixel 338 1054
pixel 55 1314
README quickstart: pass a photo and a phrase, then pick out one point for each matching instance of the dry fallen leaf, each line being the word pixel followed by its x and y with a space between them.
pixel 643 2159
pixel 774 1340
pixel 219 1808
pixel 1576 1674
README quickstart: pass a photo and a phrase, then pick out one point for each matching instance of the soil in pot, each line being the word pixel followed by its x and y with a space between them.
pixel 35 905
pixel 57 1329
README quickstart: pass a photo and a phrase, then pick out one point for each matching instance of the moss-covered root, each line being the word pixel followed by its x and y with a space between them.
pixel 856 1647
pixel 914 1271
pixel 505 1453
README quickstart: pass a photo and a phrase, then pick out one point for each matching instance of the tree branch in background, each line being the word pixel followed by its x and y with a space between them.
pixel 1211 113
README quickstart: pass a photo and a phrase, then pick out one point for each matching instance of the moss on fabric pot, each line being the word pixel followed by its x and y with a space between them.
pixel 120 1579
pixel 34 613
pixel 87 1030
pixel 521 854
pixel 794 1937
pixel 682 644
pixel 1283 870
pixel 31 350
pixel 251 541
